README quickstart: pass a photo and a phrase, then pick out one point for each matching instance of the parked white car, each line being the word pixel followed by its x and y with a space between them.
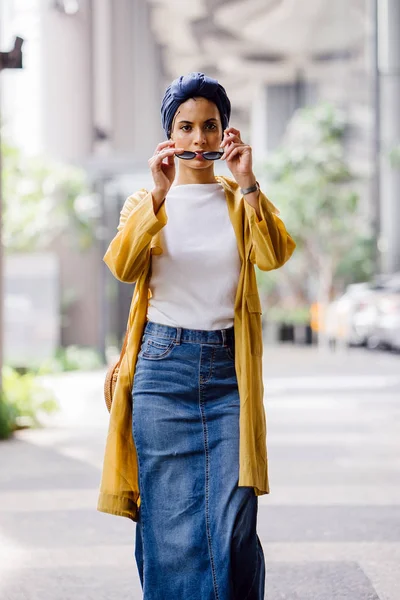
pixel 367 314
pixel 387 330
pixel 341 322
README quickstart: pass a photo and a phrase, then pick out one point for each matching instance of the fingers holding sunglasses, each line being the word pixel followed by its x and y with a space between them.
pixel 169 160
pixel 165 153
pixel 231 138
pixel 230 141
pixel 231 135
pixel 162 167
pixel 163 145
pixel 241 150
pixel 232 130
pixel 233 146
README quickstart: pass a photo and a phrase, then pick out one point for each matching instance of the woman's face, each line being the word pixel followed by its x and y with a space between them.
pixel 197 127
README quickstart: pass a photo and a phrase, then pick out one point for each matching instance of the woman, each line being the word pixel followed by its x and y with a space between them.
pixel 186 451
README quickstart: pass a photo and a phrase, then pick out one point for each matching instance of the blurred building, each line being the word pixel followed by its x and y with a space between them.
pixel 96 71
pixel 88 95
pixel 275 56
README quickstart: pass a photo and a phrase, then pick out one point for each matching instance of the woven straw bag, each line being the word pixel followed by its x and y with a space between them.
pixel 112 376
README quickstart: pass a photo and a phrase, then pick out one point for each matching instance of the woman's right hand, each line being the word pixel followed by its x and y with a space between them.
pixel 162 166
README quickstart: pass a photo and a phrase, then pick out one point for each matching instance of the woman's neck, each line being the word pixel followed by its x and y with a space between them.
pixel 186 176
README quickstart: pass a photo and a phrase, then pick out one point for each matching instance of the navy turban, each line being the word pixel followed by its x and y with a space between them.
pixel 193 86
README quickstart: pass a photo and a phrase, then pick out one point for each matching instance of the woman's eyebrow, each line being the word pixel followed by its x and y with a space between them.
pixel 191 122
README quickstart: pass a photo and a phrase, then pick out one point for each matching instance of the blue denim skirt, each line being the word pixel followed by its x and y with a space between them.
pixel 196 533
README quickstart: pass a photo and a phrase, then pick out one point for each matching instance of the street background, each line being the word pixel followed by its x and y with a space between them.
pixel 315 90
pixel 329 527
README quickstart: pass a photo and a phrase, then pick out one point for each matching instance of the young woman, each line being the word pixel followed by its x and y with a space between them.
pixel 186 452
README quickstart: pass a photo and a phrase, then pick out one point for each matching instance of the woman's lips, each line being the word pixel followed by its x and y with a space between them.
pixel 199 156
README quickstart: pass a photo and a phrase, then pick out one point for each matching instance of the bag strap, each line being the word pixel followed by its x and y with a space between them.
pixel 135 298
pixel 123 349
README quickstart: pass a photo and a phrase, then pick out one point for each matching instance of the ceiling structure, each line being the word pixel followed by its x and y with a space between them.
pixel 245 43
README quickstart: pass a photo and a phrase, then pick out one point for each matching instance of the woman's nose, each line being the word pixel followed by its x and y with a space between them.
pixel 199 137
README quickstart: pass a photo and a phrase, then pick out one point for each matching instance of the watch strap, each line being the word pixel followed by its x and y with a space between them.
pixel 251 189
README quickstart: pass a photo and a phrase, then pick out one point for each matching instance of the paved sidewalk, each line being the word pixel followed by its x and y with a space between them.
pixel 330 527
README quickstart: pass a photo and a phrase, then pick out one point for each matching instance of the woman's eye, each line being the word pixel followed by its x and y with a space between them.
pixel 209 126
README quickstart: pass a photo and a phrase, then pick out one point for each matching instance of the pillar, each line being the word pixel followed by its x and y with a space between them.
pixel 388 15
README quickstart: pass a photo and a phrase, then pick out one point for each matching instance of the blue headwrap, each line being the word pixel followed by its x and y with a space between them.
pixel 193 86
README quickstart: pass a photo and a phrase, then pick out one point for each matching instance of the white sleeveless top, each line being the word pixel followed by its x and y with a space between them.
pixel 194 282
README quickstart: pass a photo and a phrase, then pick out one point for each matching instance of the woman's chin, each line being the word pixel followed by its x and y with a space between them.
pixel 200 164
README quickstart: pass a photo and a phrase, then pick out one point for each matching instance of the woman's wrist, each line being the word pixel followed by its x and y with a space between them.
pixel 246 181
pixel 158 197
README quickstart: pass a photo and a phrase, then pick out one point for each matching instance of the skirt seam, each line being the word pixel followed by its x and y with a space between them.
pixel 140 489
pixel 205 436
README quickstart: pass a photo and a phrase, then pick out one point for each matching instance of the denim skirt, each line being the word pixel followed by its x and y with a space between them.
pixel 196 533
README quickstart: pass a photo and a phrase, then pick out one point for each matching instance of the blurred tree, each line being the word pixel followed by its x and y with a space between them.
pixel 41 200
pixel 310 179
pixel 395 156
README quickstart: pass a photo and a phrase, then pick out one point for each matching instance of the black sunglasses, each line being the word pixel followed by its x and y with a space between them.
pixel 187 155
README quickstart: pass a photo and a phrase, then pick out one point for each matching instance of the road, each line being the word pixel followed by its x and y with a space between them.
pixel 330 527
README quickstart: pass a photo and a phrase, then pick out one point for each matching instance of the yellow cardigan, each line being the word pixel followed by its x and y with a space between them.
pixel 265 243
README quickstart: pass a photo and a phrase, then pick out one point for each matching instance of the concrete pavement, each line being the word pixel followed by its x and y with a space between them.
pixel 330 527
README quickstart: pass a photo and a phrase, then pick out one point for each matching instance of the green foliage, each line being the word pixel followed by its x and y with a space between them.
pixel 72 358
pixel 311 181
pixel 42 199
pixel 8 416
pixel 299 315
pixel 394 157
pixel 24 398
pixel 358 265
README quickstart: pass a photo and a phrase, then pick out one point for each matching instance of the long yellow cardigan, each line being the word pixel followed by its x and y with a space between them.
pixel 265 243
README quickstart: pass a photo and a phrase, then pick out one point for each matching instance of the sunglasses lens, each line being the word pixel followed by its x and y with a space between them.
pixel 212 155
pixel 186 155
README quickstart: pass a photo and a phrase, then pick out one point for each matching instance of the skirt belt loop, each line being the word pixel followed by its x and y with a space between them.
pixel 224 337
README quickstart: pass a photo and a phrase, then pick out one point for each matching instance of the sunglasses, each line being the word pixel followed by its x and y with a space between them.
pixel 187 155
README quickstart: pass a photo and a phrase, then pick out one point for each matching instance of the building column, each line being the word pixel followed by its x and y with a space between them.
pixel 66 82
pixel 136 82
pixel 388 15
pixel 273 107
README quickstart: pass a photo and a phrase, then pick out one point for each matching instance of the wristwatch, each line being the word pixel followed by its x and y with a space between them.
pixel 249 190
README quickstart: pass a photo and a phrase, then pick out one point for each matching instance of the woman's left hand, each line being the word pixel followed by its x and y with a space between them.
pixel 238 155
